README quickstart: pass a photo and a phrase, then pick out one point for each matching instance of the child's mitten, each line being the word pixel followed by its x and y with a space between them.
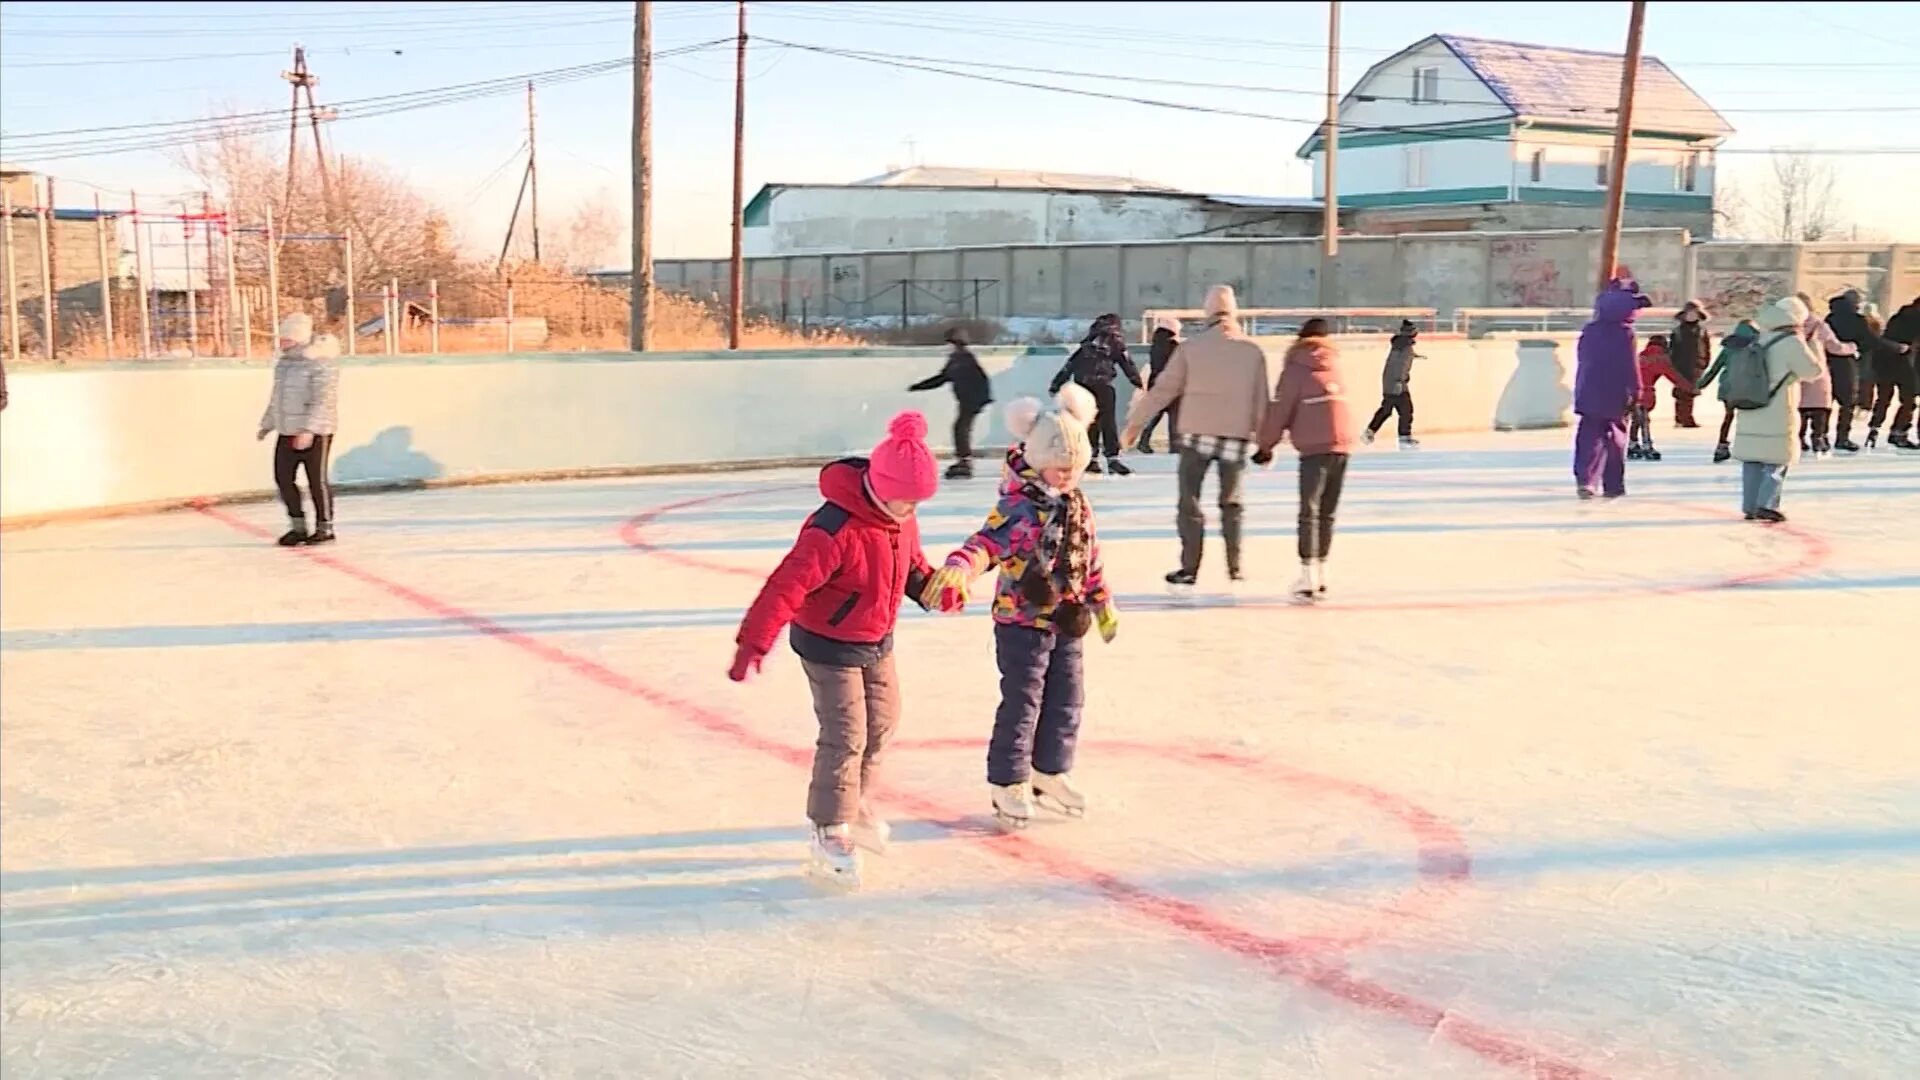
pixel 746 661
pixel 946 590
pixel 1107 618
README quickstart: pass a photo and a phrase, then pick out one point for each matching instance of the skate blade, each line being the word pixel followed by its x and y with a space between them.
pixel 869 840
pixel 836 880
pixel 1303 599
pixel 1011 824
pixel 1055 806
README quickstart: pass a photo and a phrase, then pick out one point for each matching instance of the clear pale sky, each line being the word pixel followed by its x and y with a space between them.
pixel 822 118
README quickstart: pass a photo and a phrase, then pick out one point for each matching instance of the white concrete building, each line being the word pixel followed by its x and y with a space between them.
pixel 1462 133
pixel 927 207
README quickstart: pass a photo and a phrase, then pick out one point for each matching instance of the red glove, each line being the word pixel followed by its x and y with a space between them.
pixel 746 661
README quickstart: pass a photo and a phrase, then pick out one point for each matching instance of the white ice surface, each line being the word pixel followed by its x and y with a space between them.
pixel 1550 789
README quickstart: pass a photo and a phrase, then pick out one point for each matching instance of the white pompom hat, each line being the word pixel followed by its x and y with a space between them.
pixel 297 328
pixel 1057 438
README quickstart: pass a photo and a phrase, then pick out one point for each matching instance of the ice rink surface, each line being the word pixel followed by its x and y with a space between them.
pixel 1547 790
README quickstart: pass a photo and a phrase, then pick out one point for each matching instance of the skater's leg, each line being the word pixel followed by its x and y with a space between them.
pixel 1380 415
pixel 1191 521
pixel 1313 486
pixel 1405 405
pixel 314 462
pixel 1061 705
pixel 882 686
pixel 1146 433
pixel 1588 456
pixel 1023 655
pixel 963 434
pixel 285 460
pixel 1845 394
pixel 1726 426
pixel 1903 419
pixel 1750 487
pixel 1336 482
pixel 1884 392
pixel 1173 423
pixel 1773 482
pixel 839 752
pixel 1613 450
pixel 1107 424
pixel 1232 509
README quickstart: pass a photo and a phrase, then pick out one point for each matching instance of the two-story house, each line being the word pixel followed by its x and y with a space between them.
pixel 1461 133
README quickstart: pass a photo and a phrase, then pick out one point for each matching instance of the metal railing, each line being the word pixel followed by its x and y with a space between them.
pixel 1259 322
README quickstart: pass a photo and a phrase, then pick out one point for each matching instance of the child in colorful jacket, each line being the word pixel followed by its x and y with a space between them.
pixel 1655 364
pixel 840 589
pixel 1052 589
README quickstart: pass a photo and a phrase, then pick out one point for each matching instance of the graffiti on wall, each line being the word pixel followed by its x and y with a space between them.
pixel 1526 277
pixel 1737 294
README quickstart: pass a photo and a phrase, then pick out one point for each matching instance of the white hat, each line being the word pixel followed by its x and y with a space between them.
pixel 1056 439
pixel 1168 323
pixel 1221 303
pixel 297 328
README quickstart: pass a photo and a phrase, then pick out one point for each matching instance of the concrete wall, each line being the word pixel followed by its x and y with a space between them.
pixel 75 439
pixel 1735 279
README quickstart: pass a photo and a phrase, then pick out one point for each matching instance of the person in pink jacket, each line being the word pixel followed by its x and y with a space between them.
pixel 1816 394
pixel 1310 405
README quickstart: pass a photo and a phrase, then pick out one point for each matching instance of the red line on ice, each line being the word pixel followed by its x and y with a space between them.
pixel 1293 959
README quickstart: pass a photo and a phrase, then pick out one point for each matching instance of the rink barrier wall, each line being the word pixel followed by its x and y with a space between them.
pixel 145 436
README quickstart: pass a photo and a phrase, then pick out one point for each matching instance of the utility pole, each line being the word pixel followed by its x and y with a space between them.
pixel 1330 227
pixel 1622 146
pixel 50 250
pixel 640 324
pixel 533 172
pixel 294 77
pixel 737 274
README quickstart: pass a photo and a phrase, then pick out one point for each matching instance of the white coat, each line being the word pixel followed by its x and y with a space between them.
pixel 1771 433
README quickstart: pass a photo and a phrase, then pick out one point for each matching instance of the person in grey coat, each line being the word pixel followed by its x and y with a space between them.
pixel 303 410
pixel 1396 386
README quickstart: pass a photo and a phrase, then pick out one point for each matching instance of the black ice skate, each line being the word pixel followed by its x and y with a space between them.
pixel 1769 517
pixel 1650 454
pixel 1118 467
pixel 1634 453
pixel 1182 581
pixel 295 535
pixel 960 470
pixel 1722 453
pixel 1094 469
pixel 322 534
pixel 1847 446
pixel 1900 440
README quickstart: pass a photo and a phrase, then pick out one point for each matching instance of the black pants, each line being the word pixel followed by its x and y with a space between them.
pixel 1402 403
pixel 1106 427
pixel 1172 416
pixel 1321 478
pixel 963 429
pixel 1192 521
pixel 314 460
pixel 1845 392
pixel 1893 383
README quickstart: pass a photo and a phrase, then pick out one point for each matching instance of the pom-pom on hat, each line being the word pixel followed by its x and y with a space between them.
pixel 297 328
pixel 902 467
pixel 1057 438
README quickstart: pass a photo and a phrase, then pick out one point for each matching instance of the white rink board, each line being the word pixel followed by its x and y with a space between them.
pixel 1550 789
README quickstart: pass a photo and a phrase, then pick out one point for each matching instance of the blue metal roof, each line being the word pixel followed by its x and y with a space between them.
pixel 1579 86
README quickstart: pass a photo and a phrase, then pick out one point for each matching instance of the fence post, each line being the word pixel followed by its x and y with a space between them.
pixel 193 305
pixel 140 280
pixel 509 316
pixel 46 283
pixel 433 315
pixel 393 317
pixel 13 292
pixel 273 288
pixel 353 329
pixel 246 328
pixel 904 298
pixel 236 322
pixel 106 276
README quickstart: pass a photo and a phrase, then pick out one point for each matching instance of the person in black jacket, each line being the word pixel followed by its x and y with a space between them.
pixel 1102 353
pixel 1898 373
pixel 1848 324
pixel 1690 348
pixel 972 392
pixel 1166 338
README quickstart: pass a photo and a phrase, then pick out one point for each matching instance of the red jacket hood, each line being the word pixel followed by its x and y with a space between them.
pixel 1316 354
pixel 844 484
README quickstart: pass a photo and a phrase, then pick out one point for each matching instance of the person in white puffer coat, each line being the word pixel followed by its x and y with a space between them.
pixel 1765 439
pixel 303 411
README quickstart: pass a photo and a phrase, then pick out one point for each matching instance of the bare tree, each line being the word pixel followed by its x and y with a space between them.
pixel 1793 199
pixel 591 234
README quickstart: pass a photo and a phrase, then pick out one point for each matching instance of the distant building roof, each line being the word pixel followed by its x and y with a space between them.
pixel 1544 82
pixel 1028 179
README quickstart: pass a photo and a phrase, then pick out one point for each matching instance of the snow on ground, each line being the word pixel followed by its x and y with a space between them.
pixel 1550 789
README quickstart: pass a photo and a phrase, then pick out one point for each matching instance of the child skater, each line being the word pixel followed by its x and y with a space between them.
pixel 303 410
pixel 1655 364
pixel 1396 386
pixel 1739 337
pixel 840 588
pixel 1051 591
pixel 972 392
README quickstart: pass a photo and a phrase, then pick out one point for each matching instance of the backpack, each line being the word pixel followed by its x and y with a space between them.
pixel 1743 382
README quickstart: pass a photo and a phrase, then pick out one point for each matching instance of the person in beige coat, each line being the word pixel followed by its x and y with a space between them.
pixel 1219 377
pixel 1766 440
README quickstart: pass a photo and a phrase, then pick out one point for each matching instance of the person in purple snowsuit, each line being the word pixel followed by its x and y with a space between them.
pixel 1606 382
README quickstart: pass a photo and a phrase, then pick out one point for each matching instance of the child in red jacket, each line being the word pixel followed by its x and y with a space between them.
pixel 840 589
pixel 1655 364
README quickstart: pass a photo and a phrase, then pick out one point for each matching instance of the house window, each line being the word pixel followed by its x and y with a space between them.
pixel 1426 85
pixel 1538 170
pixel 1416 167
pixel 1600 173
pixel 1690 171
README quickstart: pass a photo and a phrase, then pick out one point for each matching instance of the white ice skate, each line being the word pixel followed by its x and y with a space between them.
pixel 835 860
pixel 1320 579
pixel 1307 589
pixel 1055 793
pixel 871 831
pixel 1013 805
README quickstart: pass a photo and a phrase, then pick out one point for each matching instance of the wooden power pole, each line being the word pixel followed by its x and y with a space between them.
pixel 640 325
pixel 1330 240
pixel 533 174
pixel 737 275
pixel 1622 146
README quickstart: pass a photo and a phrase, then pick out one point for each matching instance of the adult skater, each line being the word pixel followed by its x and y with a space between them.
pixel 1166 338
pixel 1894 376
pixel 1849 325
pixel 1606 384
pixel 1102 354
pixel 1219 377
pixel 1396 386
pixel 972 392
pixel 1310 405
pixel 303 410
pixel 1690 349
pixel 1764 438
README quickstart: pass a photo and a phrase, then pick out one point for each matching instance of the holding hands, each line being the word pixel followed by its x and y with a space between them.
pixel 946 590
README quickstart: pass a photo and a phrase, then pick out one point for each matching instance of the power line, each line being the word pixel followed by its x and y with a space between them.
pixel 1439 133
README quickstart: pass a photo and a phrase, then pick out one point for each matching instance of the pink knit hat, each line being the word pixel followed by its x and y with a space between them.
pixel 902 467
